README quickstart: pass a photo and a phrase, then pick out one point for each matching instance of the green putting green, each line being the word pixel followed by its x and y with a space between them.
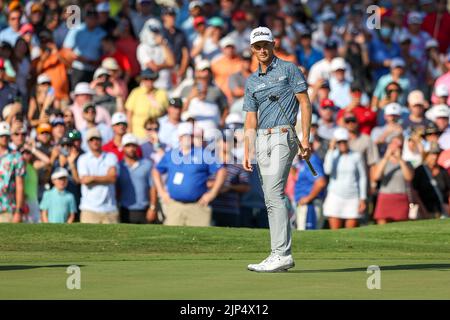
pixel 159 262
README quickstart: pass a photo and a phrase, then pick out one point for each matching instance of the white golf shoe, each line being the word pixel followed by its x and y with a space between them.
pixel 273 263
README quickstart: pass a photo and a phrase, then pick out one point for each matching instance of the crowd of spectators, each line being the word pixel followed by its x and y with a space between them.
pixel 110 119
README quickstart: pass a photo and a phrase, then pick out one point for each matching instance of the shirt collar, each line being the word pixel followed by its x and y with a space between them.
pixel 271 66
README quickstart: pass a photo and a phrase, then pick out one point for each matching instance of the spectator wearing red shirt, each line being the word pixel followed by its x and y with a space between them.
pixel 119 124
pixel 437 25
pixel 366 118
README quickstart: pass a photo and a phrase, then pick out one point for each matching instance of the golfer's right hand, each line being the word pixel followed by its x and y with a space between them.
pixel 246 163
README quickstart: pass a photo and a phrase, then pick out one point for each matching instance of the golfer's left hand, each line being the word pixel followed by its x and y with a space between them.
pixel 306 154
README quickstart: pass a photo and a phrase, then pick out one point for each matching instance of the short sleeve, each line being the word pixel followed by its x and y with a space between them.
pixel 72 203
pixel 296 79
pixel 19 169
pixel 250 103
pixel 81 166
pixel 163 165
pixel 130 103
pixel 44 202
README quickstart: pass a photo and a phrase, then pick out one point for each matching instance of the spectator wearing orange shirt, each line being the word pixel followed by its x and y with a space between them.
pixel 51 63
pixel 226 65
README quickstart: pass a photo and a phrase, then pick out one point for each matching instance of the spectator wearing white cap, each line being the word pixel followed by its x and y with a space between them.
pixel 89 114
pixel 441 94
pixel 340 87
pixel 85 46
pixel 439 114
pixel 119 85
pixel 185 195
pixel 42 102
pixel 168 124
pixel 12 168
pixel 443 80
pixel 416 119
pixel 225 65
pixel 137 197
pixel 119 126
pixel 58 205
pixel 392 127
pixel 397 74
pixel 155 53
pixel 103 87
pixel 81 95
pixel 347 189
pixel 98 174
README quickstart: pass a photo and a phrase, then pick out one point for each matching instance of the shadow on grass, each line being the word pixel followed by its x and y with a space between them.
pixel 400 267
pixel 25 267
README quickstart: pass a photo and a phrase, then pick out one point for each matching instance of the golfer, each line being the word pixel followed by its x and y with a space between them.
pixel 275 148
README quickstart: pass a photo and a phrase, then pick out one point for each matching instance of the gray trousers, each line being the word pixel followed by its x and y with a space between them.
pixel 274 155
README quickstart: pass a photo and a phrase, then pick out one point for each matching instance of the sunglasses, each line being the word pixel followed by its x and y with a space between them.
pixel 350 120
pixel 94 139
pixel 152 129
pixel 394 90
pixel 20 134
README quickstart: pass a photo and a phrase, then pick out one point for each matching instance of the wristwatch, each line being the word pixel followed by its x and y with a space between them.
pixel 152 207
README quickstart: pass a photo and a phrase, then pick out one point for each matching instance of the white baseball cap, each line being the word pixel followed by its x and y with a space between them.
pixel 441 90
pixel 416 97
pixel 415 18
pixel 4 129
pixel 102 7
pixel 59 173
pixel 261 34
pixel 440 111
pixel 234 118
pixel 340 134
pixel 119 117
pixel 194 4
pixel 185 128
pixel 100 72
pixel 397 63
pixel 431 43
pixel 129 138
pixel 226 42
pixel 110 63
pixel 43 78
pixel 83 88
pixel 202 65
pixel 393 109
pixel 338 63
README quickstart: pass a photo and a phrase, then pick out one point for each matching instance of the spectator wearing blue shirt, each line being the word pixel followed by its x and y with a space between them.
pixel 11 33
pixel 186 199
pixel 382 49
pixel 85 43
pixel 58 205
pixel 306 54
pixel 135 185
pixel 98 174
pixel 309 194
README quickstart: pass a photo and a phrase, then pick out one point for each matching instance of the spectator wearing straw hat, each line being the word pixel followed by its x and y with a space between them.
pixel 58 205
pixel 98 174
